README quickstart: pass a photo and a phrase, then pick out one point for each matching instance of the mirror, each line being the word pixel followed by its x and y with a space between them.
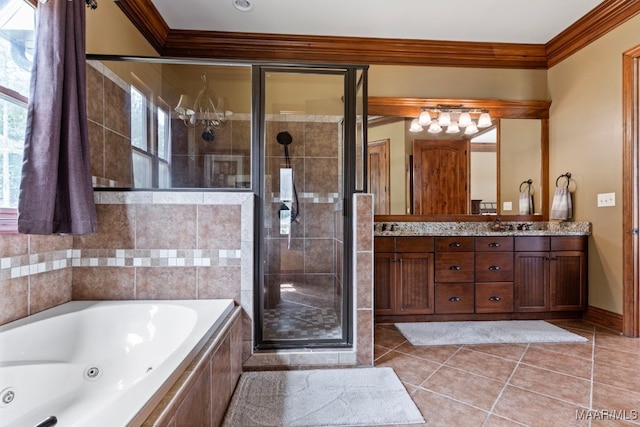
pixel 502 159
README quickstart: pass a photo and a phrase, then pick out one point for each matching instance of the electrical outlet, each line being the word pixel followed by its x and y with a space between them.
pixel 606 199
pixel 507 206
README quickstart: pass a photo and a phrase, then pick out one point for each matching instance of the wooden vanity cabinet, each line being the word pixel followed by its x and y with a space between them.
pixel 403 275
pixel 494 274
pixel 455 273
pixel 550 273
pixel 479 277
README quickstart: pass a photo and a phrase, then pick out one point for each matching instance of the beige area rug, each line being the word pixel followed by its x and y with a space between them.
pixel 488 332
pixel 321 397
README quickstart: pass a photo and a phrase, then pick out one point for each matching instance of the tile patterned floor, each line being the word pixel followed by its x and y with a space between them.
pixel 589 384
pixel 301 322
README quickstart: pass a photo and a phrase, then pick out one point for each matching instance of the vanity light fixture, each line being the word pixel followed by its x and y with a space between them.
pixel 202 112
pixel 453 118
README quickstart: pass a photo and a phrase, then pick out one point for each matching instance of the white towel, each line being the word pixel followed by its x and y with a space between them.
pixel 525 203
pixel 562 207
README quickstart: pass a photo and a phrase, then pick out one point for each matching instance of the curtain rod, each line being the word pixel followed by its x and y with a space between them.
pixel 93 4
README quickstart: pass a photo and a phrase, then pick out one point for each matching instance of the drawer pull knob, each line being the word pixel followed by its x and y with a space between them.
pixel 494 298
pixel 454 245
pixel 455 299
pixel 495 268
pixel 494 245
pixel 455 268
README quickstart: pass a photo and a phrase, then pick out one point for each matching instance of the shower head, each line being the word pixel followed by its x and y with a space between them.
pixel 284 138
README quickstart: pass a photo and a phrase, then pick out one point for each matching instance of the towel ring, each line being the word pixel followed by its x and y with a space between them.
pixel 528 182
pixel 564 175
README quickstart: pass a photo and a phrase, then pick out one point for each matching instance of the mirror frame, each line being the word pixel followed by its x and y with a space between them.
pixel 499 109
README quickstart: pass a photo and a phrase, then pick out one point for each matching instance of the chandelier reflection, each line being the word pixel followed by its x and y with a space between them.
pixel 202 112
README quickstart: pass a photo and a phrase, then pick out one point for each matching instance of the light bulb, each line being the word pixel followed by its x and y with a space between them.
pixel 464 120
pixel 444 119
pixel 484 120
pixel 424 118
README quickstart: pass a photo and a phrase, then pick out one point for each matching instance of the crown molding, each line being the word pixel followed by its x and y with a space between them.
pixel 602 19
pixel 381 51
pixel 146 18
pixel 352 50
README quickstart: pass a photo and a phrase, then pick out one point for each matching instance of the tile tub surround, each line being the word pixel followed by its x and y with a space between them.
pixel 34 274
pixel 538 228
pixel 201 394
pixel 132 253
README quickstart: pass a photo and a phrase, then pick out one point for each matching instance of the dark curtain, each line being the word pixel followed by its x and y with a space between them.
pixel 56 194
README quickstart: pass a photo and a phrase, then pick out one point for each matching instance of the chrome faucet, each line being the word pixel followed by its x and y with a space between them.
pixel 497 225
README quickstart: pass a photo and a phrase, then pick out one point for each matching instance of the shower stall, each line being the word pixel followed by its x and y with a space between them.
pixel 310 139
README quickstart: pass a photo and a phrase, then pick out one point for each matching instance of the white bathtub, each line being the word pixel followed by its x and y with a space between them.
pixel 104 363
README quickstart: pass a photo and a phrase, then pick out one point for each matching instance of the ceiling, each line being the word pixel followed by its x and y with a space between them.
pixel 509 21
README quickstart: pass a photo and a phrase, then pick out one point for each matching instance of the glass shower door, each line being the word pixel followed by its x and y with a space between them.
pixel 303 291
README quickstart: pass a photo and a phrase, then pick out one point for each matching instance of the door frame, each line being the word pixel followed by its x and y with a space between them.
pixel 384 145
pixel 630 193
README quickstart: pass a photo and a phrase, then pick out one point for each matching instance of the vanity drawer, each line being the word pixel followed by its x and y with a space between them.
pixel 384 244
pixel 454 244
pixel 532 243
pixel 494 297
pixel 455 267
pixel 494 266
pixel 494 244
pixel 414 244
pixel 569 243
pixel 454 298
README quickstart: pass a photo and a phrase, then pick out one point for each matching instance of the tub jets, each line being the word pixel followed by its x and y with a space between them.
pixel 6 396
pixel 48 422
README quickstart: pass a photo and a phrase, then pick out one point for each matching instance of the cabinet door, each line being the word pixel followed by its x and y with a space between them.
pixel 415 283
pixel 384 288
pixel 531 281
pixel 568 280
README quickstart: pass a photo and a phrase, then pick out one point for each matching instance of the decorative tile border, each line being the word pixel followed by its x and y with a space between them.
pixel 28 265
pixel 311 197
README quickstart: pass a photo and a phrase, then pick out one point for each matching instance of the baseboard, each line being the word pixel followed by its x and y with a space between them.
pixel 605 318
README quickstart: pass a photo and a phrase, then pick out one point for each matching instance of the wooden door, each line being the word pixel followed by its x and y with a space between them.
pixel 440 177
pixel 378 167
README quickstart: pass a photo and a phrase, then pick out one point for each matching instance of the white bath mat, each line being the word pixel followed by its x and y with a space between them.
pixel 321 397
pixel 489 332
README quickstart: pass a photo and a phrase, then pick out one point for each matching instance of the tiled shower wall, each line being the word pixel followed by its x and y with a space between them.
pixel 169 245
pixel 308 257
pixel 109 124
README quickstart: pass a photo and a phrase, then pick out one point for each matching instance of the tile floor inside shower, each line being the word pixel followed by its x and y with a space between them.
pixel 303 312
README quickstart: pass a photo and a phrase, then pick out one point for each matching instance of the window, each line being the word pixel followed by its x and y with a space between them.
pixel 150 140
pixel 164 145
pixel 17 22
pixel 142 173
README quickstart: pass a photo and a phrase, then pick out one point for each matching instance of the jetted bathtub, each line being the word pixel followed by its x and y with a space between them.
pixel 99 363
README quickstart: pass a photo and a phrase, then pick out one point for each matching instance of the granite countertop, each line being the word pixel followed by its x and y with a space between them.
pixel 507 228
